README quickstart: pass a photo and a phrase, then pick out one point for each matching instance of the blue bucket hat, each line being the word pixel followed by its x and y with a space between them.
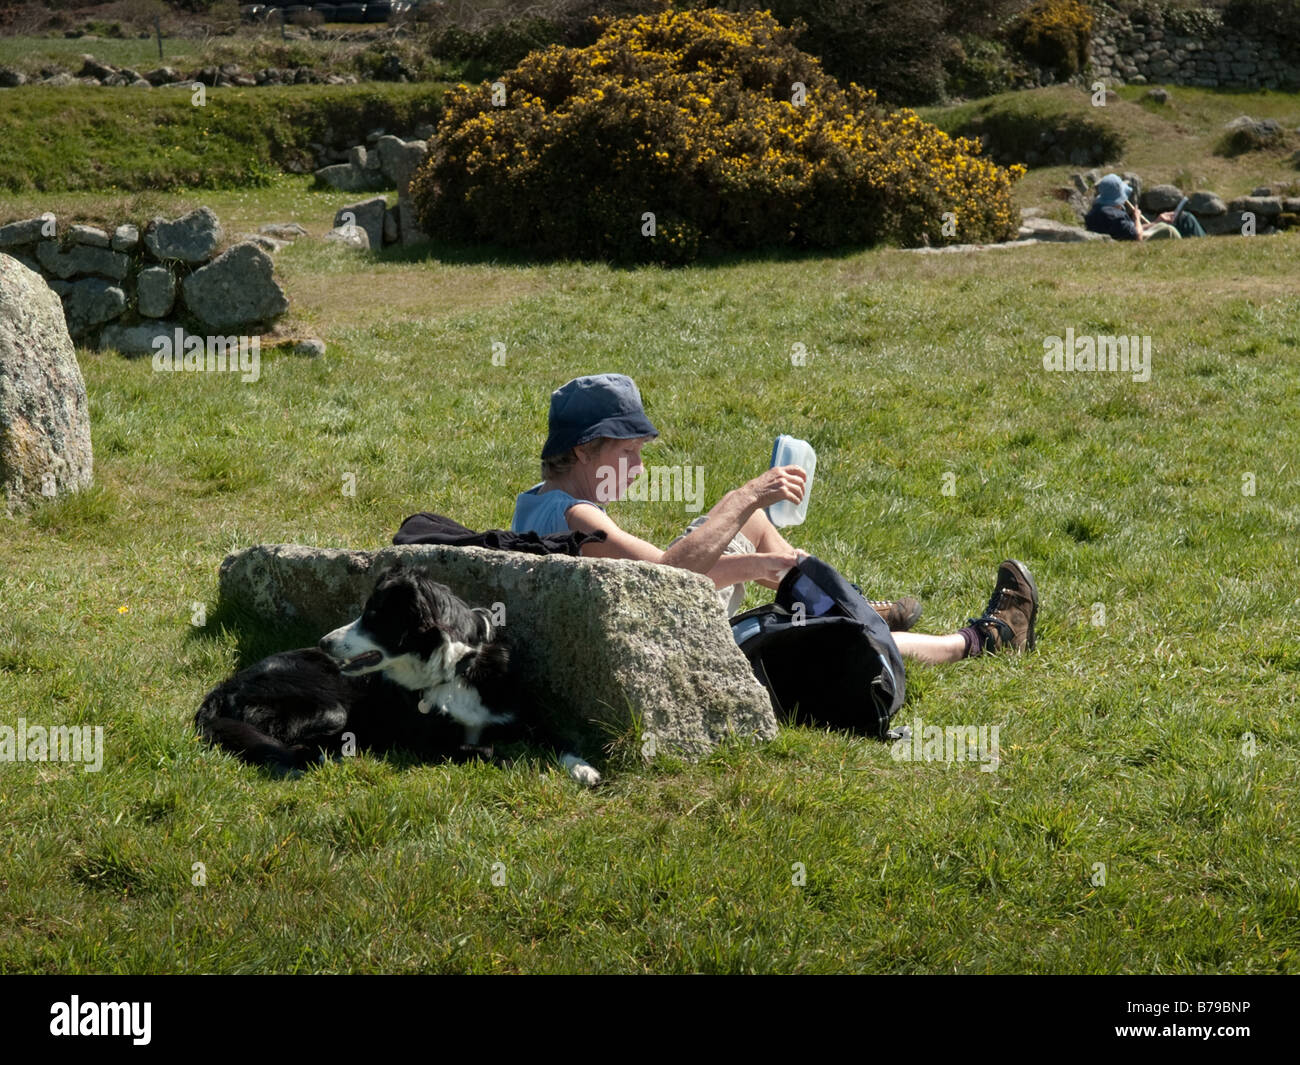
pixel 606 404
pixel 1112 190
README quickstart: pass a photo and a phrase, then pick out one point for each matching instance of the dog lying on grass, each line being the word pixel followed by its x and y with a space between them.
pixel 419 671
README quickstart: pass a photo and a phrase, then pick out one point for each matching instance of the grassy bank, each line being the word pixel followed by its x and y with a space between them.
pixel 122 139
pixel 1174 142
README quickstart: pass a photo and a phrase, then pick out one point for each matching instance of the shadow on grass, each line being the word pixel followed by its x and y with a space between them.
pixel 256 638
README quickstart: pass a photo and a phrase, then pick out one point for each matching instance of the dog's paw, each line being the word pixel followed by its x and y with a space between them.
pixel 284 770
pixel 302 756
pixel 580 770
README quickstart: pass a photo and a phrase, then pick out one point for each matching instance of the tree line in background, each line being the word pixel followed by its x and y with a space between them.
pixel 907 51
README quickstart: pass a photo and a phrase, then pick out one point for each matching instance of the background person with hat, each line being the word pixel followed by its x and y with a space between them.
pixel 597 427
pixel 1114 214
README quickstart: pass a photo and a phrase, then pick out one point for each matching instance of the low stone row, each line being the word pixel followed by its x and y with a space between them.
pixel 113 284
pixel 372 223
pixel 388 164
pixel 95 72
pixel 328 154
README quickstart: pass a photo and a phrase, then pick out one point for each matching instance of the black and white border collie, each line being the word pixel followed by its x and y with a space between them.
pixel 419 670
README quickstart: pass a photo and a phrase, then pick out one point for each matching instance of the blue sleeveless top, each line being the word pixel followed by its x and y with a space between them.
pixel 544 513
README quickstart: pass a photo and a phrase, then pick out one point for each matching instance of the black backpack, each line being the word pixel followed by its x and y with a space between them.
pixel 833 662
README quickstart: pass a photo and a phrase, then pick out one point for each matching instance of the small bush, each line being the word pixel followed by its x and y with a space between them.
pixel 981 67
pixel 896 48
pixel 498 46
pixel 1257 136
pixel 492 43
pixel 111 30
pixel 689 116
pixel 1194 21
pixel 1056 35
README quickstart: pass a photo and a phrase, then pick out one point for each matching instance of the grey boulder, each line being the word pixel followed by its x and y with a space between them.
pixel 90 303
pixel 138 339
pixel 1160 198
pixel 155 290
pixel 126 238
pixel 1259 206
pixel 91 236
pixel 408 226
pixel 368 215
pixel 399 159
pixel 348 178
pixel 283 230
pixel 1051 230
pixel 81 261
pixel 1230 223
pixel 1206 203
pixel 351 236
pixel 236 290
pixel 44 415
pixel 193 238
pixel 27 231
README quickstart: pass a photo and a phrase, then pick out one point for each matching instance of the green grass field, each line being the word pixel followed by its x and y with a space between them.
pixel 1161 748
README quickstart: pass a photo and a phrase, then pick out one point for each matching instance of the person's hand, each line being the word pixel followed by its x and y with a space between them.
pixel 774 565
pixel 1165 216
pixel 778 483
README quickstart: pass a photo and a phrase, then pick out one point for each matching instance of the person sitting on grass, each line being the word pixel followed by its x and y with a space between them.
pixel 597 427
pixel 1114 214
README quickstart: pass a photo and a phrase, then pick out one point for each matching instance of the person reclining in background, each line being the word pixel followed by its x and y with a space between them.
pixel 597 427
pixel 1113 214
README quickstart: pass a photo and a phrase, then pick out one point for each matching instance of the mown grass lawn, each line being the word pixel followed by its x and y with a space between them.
pixel 1122 745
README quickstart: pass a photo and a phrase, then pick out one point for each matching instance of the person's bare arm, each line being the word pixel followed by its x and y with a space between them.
pixel 1139 222
pixel 726 569
pixel 767 568
pixel 702 550
pixel 730 513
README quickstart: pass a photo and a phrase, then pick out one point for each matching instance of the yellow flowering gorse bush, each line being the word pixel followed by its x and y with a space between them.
pixel 1055 34
pixel 696 117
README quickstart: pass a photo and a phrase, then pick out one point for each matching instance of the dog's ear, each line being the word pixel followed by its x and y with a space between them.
pixel 393 577
pixel 428 613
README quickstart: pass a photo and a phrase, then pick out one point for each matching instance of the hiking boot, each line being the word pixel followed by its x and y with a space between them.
pixel 1008 620
pixel 900 615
